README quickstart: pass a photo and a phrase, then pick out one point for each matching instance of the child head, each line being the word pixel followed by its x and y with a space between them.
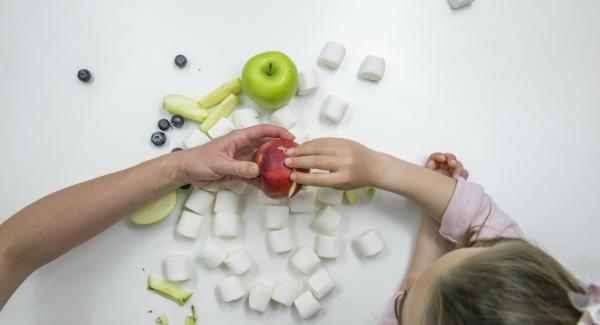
pixel 504 281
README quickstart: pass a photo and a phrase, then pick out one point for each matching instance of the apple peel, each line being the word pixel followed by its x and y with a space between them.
pixel 168 289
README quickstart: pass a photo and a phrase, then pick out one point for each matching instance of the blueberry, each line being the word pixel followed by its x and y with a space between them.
pixel 84 75
pixel 176 149
pixel 180 60
pixel 186 187
pixel 177 121
pixel 164 124
pixel 158 138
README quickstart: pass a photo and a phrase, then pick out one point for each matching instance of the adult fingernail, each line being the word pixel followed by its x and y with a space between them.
pixel 290 151
pixel 287 161
pixel 293 177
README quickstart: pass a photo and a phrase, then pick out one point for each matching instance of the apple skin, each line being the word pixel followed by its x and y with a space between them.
pixel 274 175
pixel 270 79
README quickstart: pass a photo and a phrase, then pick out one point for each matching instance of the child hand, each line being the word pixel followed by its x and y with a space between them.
pixel 446 164
pixel 349 163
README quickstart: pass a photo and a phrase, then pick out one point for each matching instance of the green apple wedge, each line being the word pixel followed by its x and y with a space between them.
pixel 162 320
pixel 191 319
pixel 156 210
pixel 224 109
pixel 184 106
pixel 169 289
pixel 216 96
pixel 351 197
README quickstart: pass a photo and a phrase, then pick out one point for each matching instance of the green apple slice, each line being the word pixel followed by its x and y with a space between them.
pixel 168 289
pixel 156 210
pixel 369 190
pixel 191 319
pixel 184 106
pixel 351 197
pixel 216 96
pixel 162 320
pixel 223 110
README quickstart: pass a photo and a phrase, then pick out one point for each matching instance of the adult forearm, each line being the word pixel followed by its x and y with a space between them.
pixel 427 188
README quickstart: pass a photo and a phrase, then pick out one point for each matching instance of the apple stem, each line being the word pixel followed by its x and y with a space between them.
pixel 270 66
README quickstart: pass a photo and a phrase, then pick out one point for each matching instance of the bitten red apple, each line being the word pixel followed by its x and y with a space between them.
pixel 274 174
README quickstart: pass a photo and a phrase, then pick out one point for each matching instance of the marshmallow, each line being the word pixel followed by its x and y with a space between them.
pixel 281 240
pixel 330 195
pixel 212 255
pixel 245 117
pixel 305 260
pixel 196 138
pixel 334 109
pixel 286 291
pixel 231 289
pixel 320 283
pixel 227 202
pixel 212 188
pixel 259 298
pixel 303 201
pixel 332 54
pixel 369 243
pixel 222 127
pixel 372 68
pixel 199 201
pixel 189 224
pixel 237 187
pixel 455 4
pixel 308 82
pixel 299 132
pixel 238 261
pixel 276 217
pixel 263 199
pixel 178 267
pixel 327 246
pixel 307 305
pixel 328 219
pixel 284 117
pixel 226 224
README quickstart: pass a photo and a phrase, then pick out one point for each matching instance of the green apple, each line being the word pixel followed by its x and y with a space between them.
pixel 270 79
pixel 184 106
pixel 156 210
pixel 168 289
pixel 216 96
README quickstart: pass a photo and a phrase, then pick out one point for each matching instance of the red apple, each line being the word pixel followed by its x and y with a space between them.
pixel 273 173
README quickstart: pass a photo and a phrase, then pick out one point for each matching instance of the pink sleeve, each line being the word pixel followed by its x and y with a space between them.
pixel 470 206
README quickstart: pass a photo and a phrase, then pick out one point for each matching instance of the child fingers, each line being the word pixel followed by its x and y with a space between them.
pixel 464 174
pixel 438 157
pixel 313 147
pixel 314 179
pixel 451 159
pixel 309 162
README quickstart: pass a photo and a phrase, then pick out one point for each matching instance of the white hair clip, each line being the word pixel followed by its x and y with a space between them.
pixel 588 304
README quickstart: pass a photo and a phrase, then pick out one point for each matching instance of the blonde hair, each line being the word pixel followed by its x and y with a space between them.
pixel 512 282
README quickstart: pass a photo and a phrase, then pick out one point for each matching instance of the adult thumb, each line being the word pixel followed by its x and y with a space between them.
pixel 243 169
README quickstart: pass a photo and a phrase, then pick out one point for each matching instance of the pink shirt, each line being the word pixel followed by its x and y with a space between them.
pixel 469 206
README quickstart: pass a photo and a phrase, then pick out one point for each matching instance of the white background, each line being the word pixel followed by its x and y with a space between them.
pixel 512 87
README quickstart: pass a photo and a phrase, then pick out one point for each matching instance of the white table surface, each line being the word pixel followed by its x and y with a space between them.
pixel 511 86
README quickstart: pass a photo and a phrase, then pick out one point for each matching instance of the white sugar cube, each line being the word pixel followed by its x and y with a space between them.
pixel 308 82
pixel 199 201
pixel 196 138
pixel 245 117
pixel 369 243
pixel 231 289
pixel 238 261
pixel 259 298
pixel 332 54
pixel 276 217
pixel 372 68
pixel 320 283
pixel 299 132
pixel 286 291
pixel 178 267
pixel 305 260
pixel 459 3
pixel 189 224
pixel 226 224
pixel 281 240
pixel 222 127
pixel 334 108
pixel 237 187
pixel 284 117
pixel 307 305
pixel 212 255
pixel 227 201
pixel 328 219
pixel 263 199
pixel 304 200
pixel 330 195
pixel 327 246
